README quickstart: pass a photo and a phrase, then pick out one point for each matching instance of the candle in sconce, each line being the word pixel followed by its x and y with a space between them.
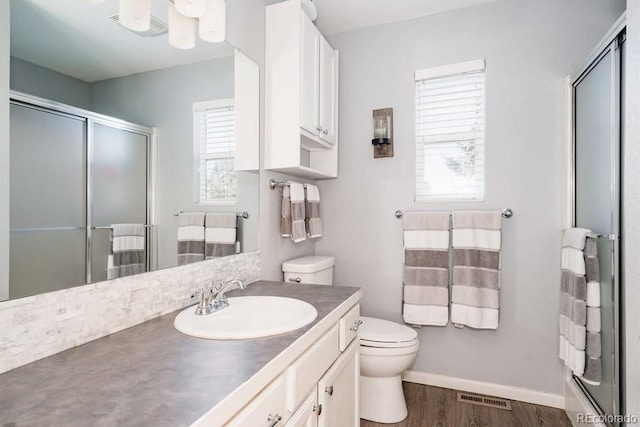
pixel 380 132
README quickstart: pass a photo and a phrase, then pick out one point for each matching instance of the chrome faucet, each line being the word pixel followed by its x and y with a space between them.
pixel 221 298
pixel 213 298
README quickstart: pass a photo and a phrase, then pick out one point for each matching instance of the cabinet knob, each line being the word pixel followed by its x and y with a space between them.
pixel 325 132
pixel 318 409
pixel 274 419
pixel 318 128
pixel 296 279
pixel 329 390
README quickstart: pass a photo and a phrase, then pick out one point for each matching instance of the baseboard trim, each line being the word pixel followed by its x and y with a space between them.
pixel 491 389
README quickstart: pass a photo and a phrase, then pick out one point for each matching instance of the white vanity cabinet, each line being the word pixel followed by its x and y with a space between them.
pixel 319 388
pixel 301 95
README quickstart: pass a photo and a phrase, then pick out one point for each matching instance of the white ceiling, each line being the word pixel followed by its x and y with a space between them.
pixel 77 38
pixel 338 16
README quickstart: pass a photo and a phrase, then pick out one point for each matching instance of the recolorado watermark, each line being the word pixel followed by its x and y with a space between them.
pixel 602 419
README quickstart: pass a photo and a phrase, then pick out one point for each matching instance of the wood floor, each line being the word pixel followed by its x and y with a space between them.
pixel 438 407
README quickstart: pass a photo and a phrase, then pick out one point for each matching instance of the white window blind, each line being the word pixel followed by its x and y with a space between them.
pixel 450 132
pixel 215 177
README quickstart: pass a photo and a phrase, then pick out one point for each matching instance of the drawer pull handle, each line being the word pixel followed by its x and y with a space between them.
pixel 329 390
pixel 356 325
pixel 274 419
pixel 318 409
pixel 295 279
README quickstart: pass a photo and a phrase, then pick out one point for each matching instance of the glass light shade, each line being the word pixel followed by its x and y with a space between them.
pixel 191 8
pixel 182 30
pixel 213 24
pixel 135 14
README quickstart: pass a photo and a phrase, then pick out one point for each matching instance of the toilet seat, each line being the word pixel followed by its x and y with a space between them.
pixel 379 333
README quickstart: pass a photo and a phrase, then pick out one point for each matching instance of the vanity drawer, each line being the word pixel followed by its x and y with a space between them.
pixel 264 409
pixel 305 372
pixel 349 325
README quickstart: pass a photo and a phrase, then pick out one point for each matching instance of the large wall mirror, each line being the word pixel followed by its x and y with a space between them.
pixel 111 128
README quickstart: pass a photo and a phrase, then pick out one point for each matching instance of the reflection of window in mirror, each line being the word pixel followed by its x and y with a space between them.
pixel 214 151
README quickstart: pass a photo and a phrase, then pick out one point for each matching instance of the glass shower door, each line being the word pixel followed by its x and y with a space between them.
pixel 597 203
pixel 118 187
pixel 47 200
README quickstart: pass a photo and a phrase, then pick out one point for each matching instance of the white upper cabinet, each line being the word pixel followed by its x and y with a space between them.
pixel 301 95
pixel 310 75
pixel 328 92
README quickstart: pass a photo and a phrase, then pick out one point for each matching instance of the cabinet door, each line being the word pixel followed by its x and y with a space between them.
pixel 307 413
pixel 309 76
pixel 328 92
pixel 338 390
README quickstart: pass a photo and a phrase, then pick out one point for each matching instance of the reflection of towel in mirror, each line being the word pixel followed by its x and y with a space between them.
pixel 312 211
pixel 190 237
pixel 126 250
pixel 220 234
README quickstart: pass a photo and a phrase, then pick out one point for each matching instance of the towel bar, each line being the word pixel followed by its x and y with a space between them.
pixel 273 184
pixel 244 214
pixel 108 227
pixel 506 213
pixel 612 237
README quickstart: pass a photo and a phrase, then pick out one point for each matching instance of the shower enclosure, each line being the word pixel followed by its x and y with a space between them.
pixel 597 141
pixel 73 174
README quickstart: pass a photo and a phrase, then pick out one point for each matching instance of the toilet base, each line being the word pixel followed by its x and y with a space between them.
pixel 382 399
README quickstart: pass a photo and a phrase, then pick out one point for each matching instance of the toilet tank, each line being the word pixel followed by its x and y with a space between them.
pixel 315 269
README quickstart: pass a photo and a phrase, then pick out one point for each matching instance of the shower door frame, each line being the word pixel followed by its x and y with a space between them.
pixel 612 44
pixel 91 118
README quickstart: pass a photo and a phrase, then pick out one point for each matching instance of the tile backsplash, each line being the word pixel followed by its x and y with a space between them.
pixel 36 327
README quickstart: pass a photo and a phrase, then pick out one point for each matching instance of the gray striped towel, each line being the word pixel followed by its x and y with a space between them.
pixel 426 268
pixel 220 234
pixel 127 254
pixel 312 219
pixel 190 237
pixel 476 242
pixel 298 229
pixel 579 322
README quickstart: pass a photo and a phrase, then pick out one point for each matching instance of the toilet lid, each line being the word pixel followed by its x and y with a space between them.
pixel 381 331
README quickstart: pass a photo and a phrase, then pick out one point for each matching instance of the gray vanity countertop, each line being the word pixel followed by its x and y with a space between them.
pixel 150 374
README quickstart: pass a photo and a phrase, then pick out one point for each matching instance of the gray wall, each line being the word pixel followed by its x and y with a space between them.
pixel 529 48
pixel 36 80
pixel 164 99
pixel 4 150
pixel 631 213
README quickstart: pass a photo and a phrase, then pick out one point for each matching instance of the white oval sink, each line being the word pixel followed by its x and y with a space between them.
pixel 247 317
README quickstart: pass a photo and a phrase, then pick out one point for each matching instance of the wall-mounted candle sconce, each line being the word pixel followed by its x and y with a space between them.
pixel 382 133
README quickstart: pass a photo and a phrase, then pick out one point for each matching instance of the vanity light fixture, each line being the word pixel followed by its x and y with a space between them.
pixel 382 133
pixel 210 15
pixel 212 25
pixel 191 8
pixel 135 14
pixel 182 30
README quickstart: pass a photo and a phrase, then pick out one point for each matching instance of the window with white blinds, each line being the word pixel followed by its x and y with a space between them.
pixel 450 132
pixel 215 177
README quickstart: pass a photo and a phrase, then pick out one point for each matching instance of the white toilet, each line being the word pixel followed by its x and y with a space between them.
pixel 386 348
